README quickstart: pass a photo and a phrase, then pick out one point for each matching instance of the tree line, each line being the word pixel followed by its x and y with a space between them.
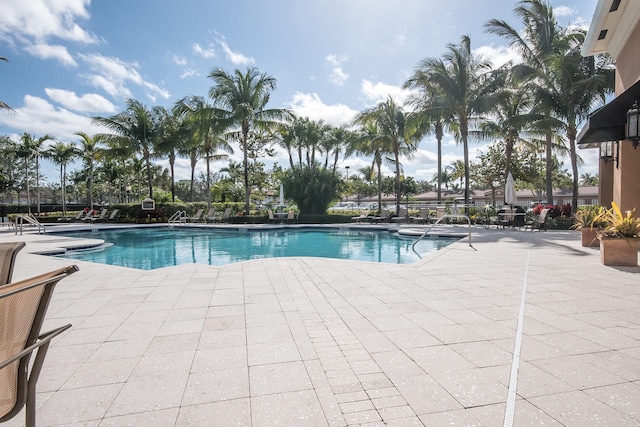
pixel 530 109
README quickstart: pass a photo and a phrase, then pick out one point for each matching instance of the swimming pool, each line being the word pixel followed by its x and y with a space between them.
pixel 151 248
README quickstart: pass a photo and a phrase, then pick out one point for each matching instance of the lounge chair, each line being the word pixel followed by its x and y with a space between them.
pixel 82 216
pixel 538 221
pixel 197 217
pixel 440 213
pixel 113 215
pixel 402 215
pixel 103 212
pixel 8 254
pixel 211 215
pixel 226 215
pixel 423 217
pixel 23 306
pixel 69 219
pixel 272 218
pixel 364 216
pixel 383 217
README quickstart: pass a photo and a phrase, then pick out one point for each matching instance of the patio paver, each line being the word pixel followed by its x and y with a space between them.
pixel 320 342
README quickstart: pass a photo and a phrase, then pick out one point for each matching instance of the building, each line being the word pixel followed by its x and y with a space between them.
pixel 479 198
pixel 615 30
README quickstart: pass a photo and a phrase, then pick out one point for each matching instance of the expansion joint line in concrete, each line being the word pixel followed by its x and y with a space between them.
pixel 509 412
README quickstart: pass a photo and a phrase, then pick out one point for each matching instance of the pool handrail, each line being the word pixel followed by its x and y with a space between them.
pixel 31 219
pixel 451 215
pixel 180 217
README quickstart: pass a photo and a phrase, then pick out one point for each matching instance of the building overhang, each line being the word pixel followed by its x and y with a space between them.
pixel 611 26
pixel 607 123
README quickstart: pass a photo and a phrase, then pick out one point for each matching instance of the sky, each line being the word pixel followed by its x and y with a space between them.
pixel 71 60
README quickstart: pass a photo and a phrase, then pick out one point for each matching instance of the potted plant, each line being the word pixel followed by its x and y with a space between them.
pixel 620 237
pixel 587 220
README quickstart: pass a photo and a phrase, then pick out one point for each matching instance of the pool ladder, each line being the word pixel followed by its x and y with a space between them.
pixel 179 217
pixel 452 215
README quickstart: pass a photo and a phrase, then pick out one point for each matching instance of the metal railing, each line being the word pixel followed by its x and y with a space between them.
pixel 30 219
pixel 179 217
pixel 450 215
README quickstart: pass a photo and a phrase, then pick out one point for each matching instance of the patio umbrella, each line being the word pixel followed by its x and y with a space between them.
pixel 281 196
pixel 510 191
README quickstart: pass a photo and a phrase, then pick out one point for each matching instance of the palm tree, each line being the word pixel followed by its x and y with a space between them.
pixel 338 138
pixel 588 180
pixel 511 120
pixel 541 38
pixel 62 153
pixel 572 87
pixel 457 170
pixel 31 148
pixel 429 114
pixel 244 98
pixel 134 132
pixel 368 142
pixel 389 120
pixel 4 106
pixel 465 86
pixel 208 125
pixel 91 153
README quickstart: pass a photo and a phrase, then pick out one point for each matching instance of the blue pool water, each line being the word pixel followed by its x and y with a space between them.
pixel 150 248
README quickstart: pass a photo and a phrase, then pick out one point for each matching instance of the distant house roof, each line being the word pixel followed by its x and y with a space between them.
pixel 487 195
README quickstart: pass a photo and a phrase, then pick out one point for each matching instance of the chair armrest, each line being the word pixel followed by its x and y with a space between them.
pixel 42 340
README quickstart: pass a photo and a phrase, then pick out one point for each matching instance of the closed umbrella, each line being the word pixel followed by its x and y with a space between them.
pixel 281 195
pixel 510 191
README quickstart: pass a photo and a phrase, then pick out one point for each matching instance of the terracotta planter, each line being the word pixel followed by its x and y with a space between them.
pixel 619 251
pixel 589 237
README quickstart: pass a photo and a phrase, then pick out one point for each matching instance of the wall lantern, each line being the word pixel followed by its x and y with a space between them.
pixel 607 151
pixel 633 125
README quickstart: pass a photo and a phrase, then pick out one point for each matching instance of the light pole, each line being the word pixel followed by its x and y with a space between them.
pixel 347 168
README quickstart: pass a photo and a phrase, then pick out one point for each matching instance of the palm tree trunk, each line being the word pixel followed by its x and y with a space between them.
pixel 549 172
pixel 439 138
pixel 90 186
pixel 27 184
pixel 379 164
pixel 396 154
pixel 148 163
pixel 172 161
pixel 62 191
pixel 465 146
pixel 37 185
pixel 508 154
pixel 208 183
pixel 574 168
pixel 245 164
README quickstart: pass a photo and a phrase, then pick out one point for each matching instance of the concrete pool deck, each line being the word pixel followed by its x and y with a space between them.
pixel 317 342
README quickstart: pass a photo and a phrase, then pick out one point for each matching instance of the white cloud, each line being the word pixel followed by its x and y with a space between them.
pixel 179 61
pixel 39 117
pixel 112 74
pixel 563 11
pixel 57 52
pixel 498 55
pixel 208 52
pixel 375 93
pixel 310 105
pixel 236 58
pixel 38 20
pixel 188 72
pixel 338 76
pixel 89 102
